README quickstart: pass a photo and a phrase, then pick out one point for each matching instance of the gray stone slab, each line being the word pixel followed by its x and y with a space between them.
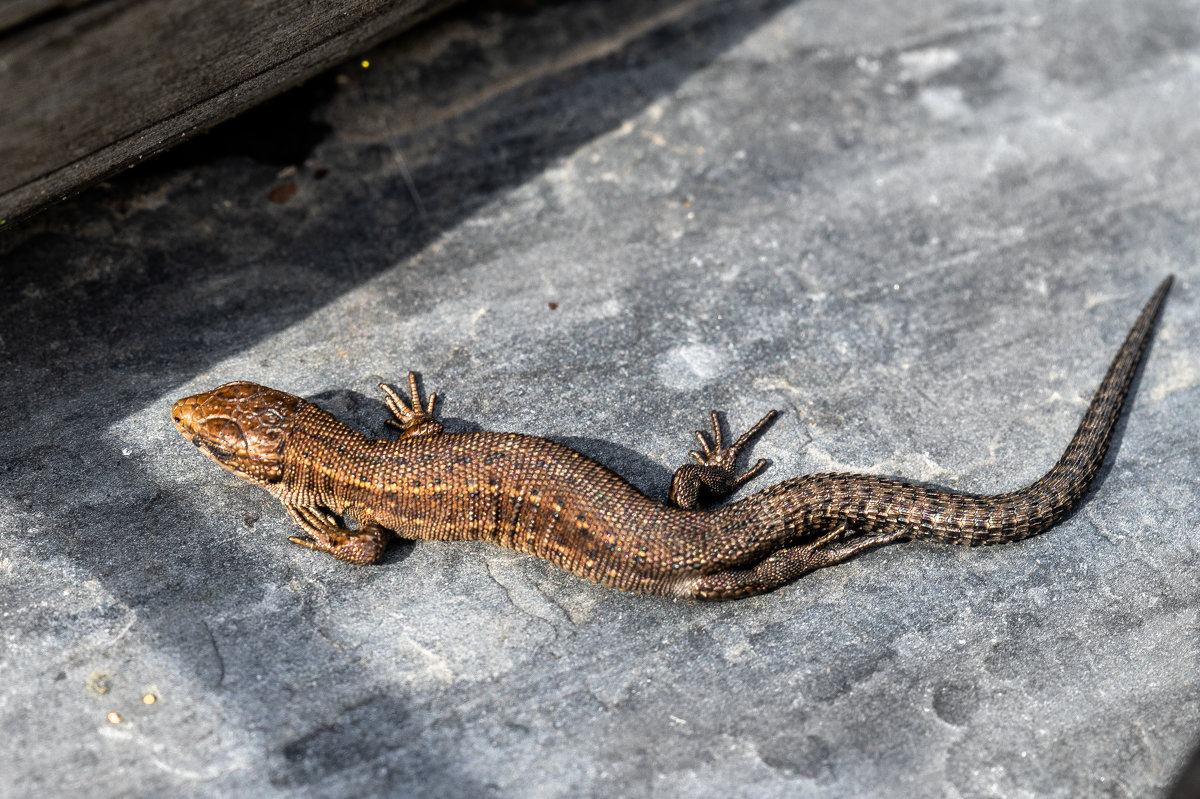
pixel 921 229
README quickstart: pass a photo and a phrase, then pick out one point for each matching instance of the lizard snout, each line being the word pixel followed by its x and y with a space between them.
pixel 182 414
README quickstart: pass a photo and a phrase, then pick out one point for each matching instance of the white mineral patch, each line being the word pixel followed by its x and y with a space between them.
pixel 944 102
pixel 685 367
pixel 921 65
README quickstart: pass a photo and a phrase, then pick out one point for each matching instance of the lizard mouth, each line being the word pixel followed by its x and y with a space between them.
pixel 214 451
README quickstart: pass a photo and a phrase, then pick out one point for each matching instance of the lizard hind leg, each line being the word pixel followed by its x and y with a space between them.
pixel 717 469
pixel 786 564
pixel 360 547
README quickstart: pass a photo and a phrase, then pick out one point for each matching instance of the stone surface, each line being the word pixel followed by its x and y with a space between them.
pixel 921 229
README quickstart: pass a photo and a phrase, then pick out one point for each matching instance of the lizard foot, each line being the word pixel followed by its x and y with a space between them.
pixel 717 471
pixel 412 418
pixel 359 547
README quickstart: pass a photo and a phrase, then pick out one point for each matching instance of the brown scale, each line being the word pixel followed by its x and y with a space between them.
pixel 544 499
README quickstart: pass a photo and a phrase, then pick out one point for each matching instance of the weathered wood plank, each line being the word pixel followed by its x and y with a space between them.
pixel 86 93
pixel 18 12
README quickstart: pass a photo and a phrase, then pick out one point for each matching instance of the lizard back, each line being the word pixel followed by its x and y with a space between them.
pixel 518 491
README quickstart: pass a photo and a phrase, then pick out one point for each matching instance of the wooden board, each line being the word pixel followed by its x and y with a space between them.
pixel 88 89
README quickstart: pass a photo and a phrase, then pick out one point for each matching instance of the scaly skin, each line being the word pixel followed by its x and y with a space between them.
pixel 539 497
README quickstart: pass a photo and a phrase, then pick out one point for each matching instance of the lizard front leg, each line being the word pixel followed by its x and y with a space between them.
pixel 359 547
pixel 412 418
pixel 717 471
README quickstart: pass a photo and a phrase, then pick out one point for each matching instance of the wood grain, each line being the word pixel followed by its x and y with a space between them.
pixel 87 90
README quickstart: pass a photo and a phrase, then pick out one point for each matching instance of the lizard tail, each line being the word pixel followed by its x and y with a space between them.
pixel 819 520
pixel 1067 482
pixel 882 509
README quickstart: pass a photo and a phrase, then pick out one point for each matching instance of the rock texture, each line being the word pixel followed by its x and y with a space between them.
pixel 920 229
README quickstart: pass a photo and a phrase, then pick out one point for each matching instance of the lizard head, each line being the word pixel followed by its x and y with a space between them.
pixel 242 426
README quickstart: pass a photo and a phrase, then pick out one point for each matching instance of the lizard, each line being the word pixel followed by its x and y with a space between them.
pixel 350 495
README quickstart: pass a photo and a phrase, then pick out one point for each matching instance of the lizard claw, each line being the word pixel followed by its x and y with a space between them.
pixel 412 418
pixel 718 456
pixel 717 472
